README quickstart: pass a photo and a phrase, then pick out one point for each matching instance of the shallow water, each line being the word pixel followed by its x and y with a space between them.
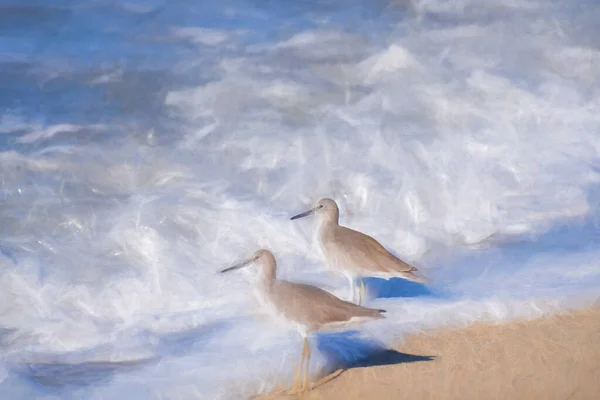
pixel 146 145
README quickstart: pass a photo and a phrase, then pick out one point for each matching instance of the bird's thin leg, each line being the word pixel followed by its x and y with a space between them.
pixel 352 289
pixel 305 386
pixel 297 376
pixel 361 293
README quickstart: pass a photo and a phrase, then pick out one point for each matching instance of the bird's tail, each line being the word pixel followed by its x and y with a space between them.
pixel 411 276
pixel 375 313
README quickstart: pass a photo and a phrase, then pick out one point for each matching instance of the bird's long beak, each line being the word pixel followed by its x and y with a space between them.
pixel 304 214
pixel 238 266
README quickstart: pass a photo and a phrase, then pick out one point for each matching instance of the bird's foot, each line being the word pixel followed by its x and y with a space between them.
pixel 327 378
pixel 297 388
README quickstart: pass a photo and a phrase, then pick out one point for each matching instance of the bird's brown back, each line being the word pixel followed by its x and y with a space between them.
pixel 368 252
pixel 314 307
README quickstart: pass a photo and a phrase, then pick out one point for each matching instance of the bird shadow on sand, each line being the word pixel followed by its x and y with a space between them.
pixel 347 350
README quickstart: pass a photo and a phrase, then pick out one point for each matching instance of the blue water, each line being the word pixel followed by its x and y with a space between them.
pixel 146 145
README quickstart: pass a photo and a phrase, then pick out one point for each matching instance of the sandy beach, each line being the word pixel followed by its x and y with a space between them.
pixel 554 357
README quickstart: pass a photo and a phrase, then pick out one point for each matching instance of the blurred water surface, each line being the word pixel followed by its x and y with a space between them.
pixel 144 145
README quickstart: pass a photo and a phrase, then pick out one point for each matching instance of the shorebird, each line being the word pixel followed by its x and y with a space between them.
pixel 353 253
pixel 308 308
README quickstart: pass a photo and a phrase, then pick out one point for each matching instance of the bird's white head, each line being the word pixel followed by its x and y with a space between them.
pixel 326 209
pixel 264 258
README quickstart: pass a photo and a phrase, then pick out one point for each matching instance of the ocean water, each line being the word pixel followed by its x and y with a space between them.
pixel 145 145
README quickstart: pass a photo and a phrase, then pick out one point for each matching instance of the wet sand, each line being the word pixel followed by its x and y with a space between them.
pixel 554 357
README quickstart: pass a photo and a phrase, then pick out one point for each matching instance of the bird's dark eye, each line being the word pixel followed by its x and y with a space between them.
pixel 256 258
pixel 321 206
